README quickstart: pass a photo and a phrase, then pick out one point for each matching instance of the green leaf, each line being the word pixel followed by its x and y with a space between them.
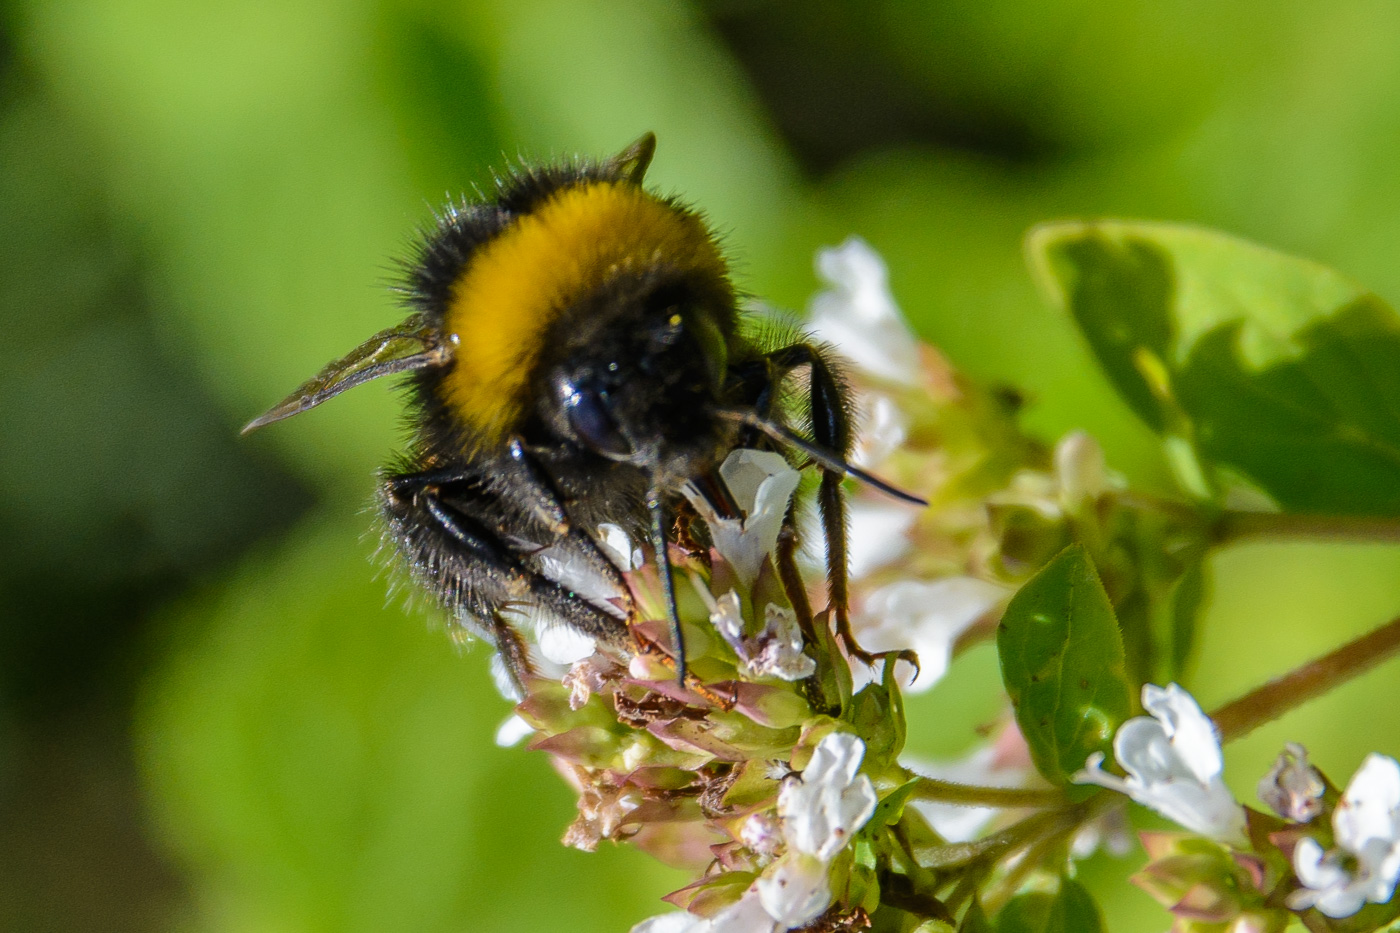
pixel 1278 368
pixel 1074 910
pixel 1026 913
pixel 1062 664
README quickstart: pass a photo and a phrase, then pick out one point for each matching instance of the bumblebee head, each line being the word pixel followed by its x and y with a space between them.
pixel 636 371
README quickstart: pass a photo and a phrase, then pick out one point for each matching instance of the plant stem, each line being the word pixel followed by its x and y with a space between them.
pixel 971 795
pixel 1240 717
pixel 1240 526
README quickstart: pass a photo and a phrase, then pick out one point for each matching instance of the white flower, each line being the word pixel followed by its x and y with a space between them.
pixel 795 891
pixel 1366 863
pixel 776 651
pixel 928 617
pixel 1173 761
pixel 762 484
pixel 820 811
pixel 1080 470
pixel 877 534
pixel 858 316
pixel 779 646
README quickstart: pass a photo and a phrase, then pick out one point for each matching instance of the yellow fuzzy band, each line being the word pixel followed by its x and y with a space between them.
pixel 519 283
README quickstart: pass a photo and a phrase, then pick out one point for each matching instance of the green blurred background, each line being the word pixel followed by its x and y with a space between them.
pixel 212 718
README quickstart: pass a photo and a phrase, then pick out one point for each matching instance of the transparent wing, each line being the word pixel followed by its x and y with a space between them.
pixel 405 348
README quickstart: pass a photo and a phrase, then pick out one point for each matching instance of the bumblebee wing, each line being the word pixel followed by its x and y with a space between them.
pixel 632 162
pixel 402 349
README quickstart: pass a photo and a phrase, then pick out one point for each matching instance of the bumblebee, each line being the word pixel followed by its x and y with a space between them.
pixel 575 355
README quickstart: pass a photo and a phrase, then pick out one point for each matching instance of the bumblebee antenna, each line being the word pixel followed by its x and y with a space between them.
pixel 668 586
pixel 821 455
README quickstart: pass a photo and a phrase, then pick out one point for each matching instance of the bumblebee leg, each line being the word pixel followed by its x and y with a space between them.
pixel 515 656
pixel 545 500
pixel 548 503
pixel 446 533
pixel 668 585
pixel 524 581
pixel 830 411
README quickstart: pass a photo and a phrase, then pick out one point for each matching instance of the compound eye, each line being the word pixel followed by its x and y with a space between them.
pixel 593 425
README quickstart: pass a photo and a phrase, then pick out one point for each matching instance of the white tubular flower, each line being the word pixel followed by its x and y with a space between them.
pixel 776 651
pixel 795 891
pixel 762 484
pixel 824 808
pixel 820 812
pixel 779 646
pixel 858 316
pixel 1366 863
pixel 928 617
pixel 1174 763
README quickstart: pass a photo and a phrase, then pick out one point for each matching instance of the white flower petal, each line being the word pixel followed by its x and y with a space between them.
pixel 512 731
pixel 795 890
pixel 1326 885
pixel 927 617
pixel 727 617
pixel 562 644
pixel 858 316
pixel 677 921
pixel 1370 806
pixel 1366 863
pixel 1080 469
pixel 501 678
pixel 747 915
pixel 619 546
pixel 780 646
pixel 762 484
pixel 1190 730
pixel 883 428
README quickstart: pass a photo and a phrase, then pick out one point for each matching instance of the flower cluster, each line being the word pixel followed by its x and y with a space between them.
pixel 774 772
pixel 1234 872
